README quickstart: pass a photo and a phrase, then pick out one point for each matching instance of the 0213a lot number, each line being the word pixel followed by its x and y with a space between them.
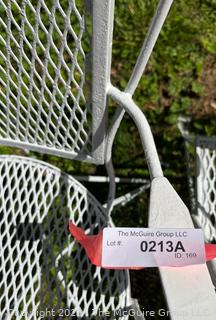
pixel 166 246
pixel 162 246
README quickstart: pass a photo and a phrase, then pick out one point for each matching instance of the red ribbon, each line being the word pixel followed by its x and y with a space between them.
pixel 93 246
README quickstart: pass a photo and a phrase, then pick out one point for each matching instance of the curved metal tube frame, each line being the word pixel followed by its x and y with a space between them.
pixel 127 104
pixel 124 100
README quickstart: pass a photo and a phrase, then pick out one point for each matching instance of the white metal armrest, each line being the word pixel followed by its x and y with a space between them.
pixel 189 290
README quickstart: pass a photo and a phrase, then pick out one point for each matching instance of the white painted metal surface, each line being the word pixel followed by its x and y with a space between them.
pixel 189 291
pixel 41 266
pixel 45 106
pixel 184 288
pixel 201 169
pixel 46 81
pixel 206 185
pixel 158 19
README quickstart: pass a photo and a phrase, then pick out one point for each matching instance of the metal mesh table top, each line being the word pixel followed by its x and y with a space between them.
pixel 45 81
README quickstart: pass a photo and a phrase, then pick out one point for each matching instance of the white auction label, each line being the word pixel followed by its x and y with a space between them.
pixel 148 247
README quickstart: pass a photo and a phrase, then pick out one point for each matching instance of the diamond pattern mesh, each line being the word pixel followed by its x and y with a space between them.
pixel 206 186
pixel 41 266
pixel 43 47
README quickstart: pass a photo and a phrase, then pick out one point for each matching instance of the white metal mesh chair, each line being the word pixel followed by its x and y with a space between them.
pixel 55 80
pixel 41 267
pixel 206 185
pixel 201 162
pixel 201 166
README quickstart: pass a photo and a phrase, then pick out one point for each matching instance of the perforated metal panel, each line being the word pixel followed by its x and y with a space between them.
pixel 206 185
pixel 41 266
pixel 46 88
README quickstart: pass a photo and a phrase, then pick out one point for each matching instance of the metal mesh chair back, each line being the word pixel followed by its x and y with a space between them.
pixel 45 85
pixel 206 185
pixel 41 266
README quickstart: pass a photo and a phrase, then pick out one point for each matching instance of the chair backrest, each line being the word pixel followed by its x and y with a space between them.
pixel 54 66
pixel 206 185
pixel 201 170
